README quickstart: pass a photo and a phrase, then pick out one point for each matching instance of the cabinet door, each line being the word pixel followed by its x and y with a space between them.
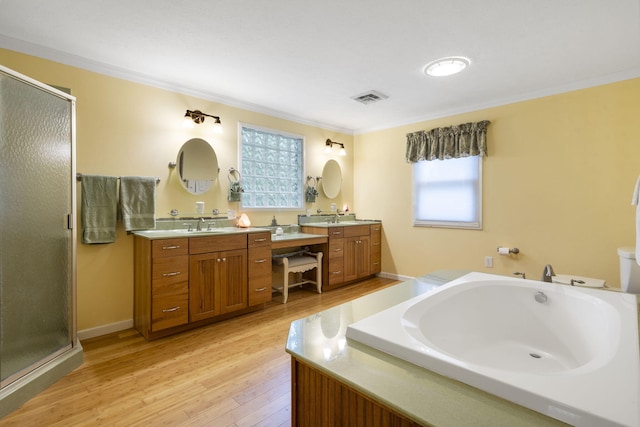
pixel 357 257
pixel 233 280
pixel 204 290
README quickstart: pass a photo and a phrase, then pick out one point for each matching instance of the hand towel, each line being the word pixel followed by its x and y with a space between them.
pixel 99 208
pixel 138 202
pixel 634 201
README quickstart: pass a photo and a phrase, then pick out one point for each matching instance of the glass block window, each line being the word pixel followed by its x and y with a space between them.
pixel 271 164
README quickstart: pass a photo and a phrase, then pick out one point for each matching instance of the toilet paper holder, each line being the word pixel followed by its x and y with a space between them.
pixel 507 251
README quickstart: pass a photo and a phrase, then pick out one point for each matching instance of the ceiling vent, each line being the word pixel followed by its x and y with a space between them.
pixel 369 97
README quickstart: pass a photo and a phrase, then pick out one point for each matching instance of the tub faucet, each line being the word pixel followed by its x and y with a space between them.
pixel 548 273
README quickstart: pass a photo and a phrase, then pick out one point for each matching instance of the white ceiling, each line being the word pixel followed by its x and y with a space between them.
pixel 304 60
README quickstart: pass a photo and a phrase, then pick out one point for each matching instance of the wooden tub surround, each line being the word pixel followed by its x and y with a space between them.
pixel 336 381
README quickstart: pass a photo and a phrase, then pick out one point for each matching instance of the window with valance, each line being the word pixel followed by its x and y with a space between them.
pixel 448 194
pixel 452 142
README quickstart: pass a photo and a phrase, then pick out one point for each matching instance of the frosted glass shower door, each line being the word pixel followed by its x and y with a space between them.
pixel 36 245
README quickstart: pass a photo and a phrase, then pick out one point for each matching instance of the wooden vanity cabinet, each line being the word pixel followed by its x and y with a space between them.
pixel 217 276
pixel 351 253
pixel 187 282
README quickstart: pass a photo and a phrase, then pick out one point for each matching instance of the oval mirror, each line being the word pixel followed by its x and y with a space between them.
pixel 331 179
pixel 197 166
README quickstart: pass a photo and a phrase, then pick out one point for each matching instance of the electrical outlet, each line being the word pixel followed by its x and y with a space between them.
pixel 488 261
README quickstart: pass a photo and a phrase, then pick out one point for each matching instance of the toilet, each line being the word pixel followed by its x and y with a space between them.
pixel 629 270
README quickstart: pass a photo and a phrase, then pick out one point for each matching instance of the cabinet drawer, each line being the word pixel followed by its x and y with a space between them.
pixel 202 245
pixel 170 270
pixel 169 247
pixel 376 247
pixel 376 233
pixel 356 230
pixel 260 290
pixel 336 233
pixel 336 248
pixel 336 271
pixel 315 230
pixel 258 239
pixel 259 262
pixel 170 306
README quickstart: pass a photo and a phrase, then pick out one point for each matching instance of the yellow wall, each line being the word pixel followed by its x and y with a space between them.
pixel 125 128
pixel 558 181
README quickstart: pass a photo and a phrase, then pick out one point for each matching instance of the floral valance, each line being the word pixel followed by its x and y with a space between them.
pixel 467 139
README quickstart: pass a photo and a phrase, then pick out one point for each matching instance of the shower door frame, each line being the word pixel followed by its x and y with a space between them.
pixel 71 220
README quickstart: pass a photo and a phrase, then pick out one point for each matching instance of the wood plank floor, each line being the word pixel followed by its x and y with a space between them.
pixel 232 373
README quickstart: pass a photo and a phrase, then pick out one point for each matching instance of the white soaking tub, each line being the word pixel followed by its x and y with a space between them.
pixel 570 353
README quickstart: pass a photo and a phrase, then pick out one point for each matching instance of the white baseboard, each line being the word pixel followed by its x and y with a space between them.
pixel 395 276
pixel 105 329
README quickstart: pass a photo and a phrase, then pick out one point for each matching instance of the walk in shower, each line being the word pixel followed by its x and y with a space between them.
pixel 38 343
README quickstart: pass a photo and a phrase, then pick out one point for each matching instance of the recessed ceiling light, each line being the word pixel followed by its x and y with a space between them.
pixel 446 66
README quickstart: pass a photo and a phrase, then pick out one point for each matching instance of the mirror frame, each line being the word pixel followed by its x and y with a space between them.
pixel 331 179
pixel 203 155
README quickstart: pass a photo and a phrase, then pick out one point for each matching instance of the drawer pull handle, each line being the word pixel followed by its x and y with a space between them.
pixel 169 310
pixel 261 289
pixel 336 272
pixel 260 240
pixel 337 249
pixel 258 261
pixel 336 232
pixel 175 273
pixel 164 248
pixel 375 244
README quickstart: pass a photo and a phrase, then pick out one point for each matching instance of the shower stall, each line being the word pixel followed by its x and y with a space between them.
pixel 38 342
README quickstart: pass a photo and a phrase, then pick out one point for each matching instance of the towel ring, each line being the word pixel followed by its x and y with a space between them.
pixel 315 181
pixel 232 173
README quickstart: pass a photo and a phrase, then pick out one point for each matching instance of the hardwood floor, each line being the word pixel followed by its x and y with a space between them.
pixel 232 373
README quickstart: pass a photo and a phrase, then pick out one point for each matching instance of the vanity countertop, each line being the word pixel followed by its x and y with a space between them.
pixel 172 234
pixel 341 224
pixel 429 398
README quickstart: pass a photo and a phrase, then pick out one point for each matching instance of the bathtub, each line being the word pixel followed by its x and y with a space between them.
pixel 570 353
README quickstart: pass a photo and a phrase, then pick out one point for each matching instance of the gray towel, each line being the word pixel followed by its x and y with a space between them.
pixel 99 208
pixel 138 202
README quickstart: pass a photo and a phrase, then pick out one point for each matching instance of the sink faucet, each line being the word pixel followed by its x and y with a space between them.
pixel 199 225
pixel 548 273
pixel 336 219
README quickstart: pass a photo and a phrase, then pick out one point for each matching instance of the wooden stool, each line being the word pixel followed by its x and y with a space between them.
pixel 297 264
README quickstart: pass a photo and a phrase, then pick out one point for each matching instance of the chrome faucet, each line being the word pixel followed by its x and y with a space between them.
pixel 548 273
pixel 199 225
pixel 336 219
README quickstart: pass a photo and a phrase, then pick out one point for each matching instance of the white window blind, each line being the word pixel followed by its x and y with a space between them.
pixel 448 193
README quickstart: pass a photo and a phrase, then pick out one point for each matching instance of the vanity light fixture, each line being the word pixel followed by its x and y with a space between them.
pixel 328 145
pixel 446 66
pixel 197 116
